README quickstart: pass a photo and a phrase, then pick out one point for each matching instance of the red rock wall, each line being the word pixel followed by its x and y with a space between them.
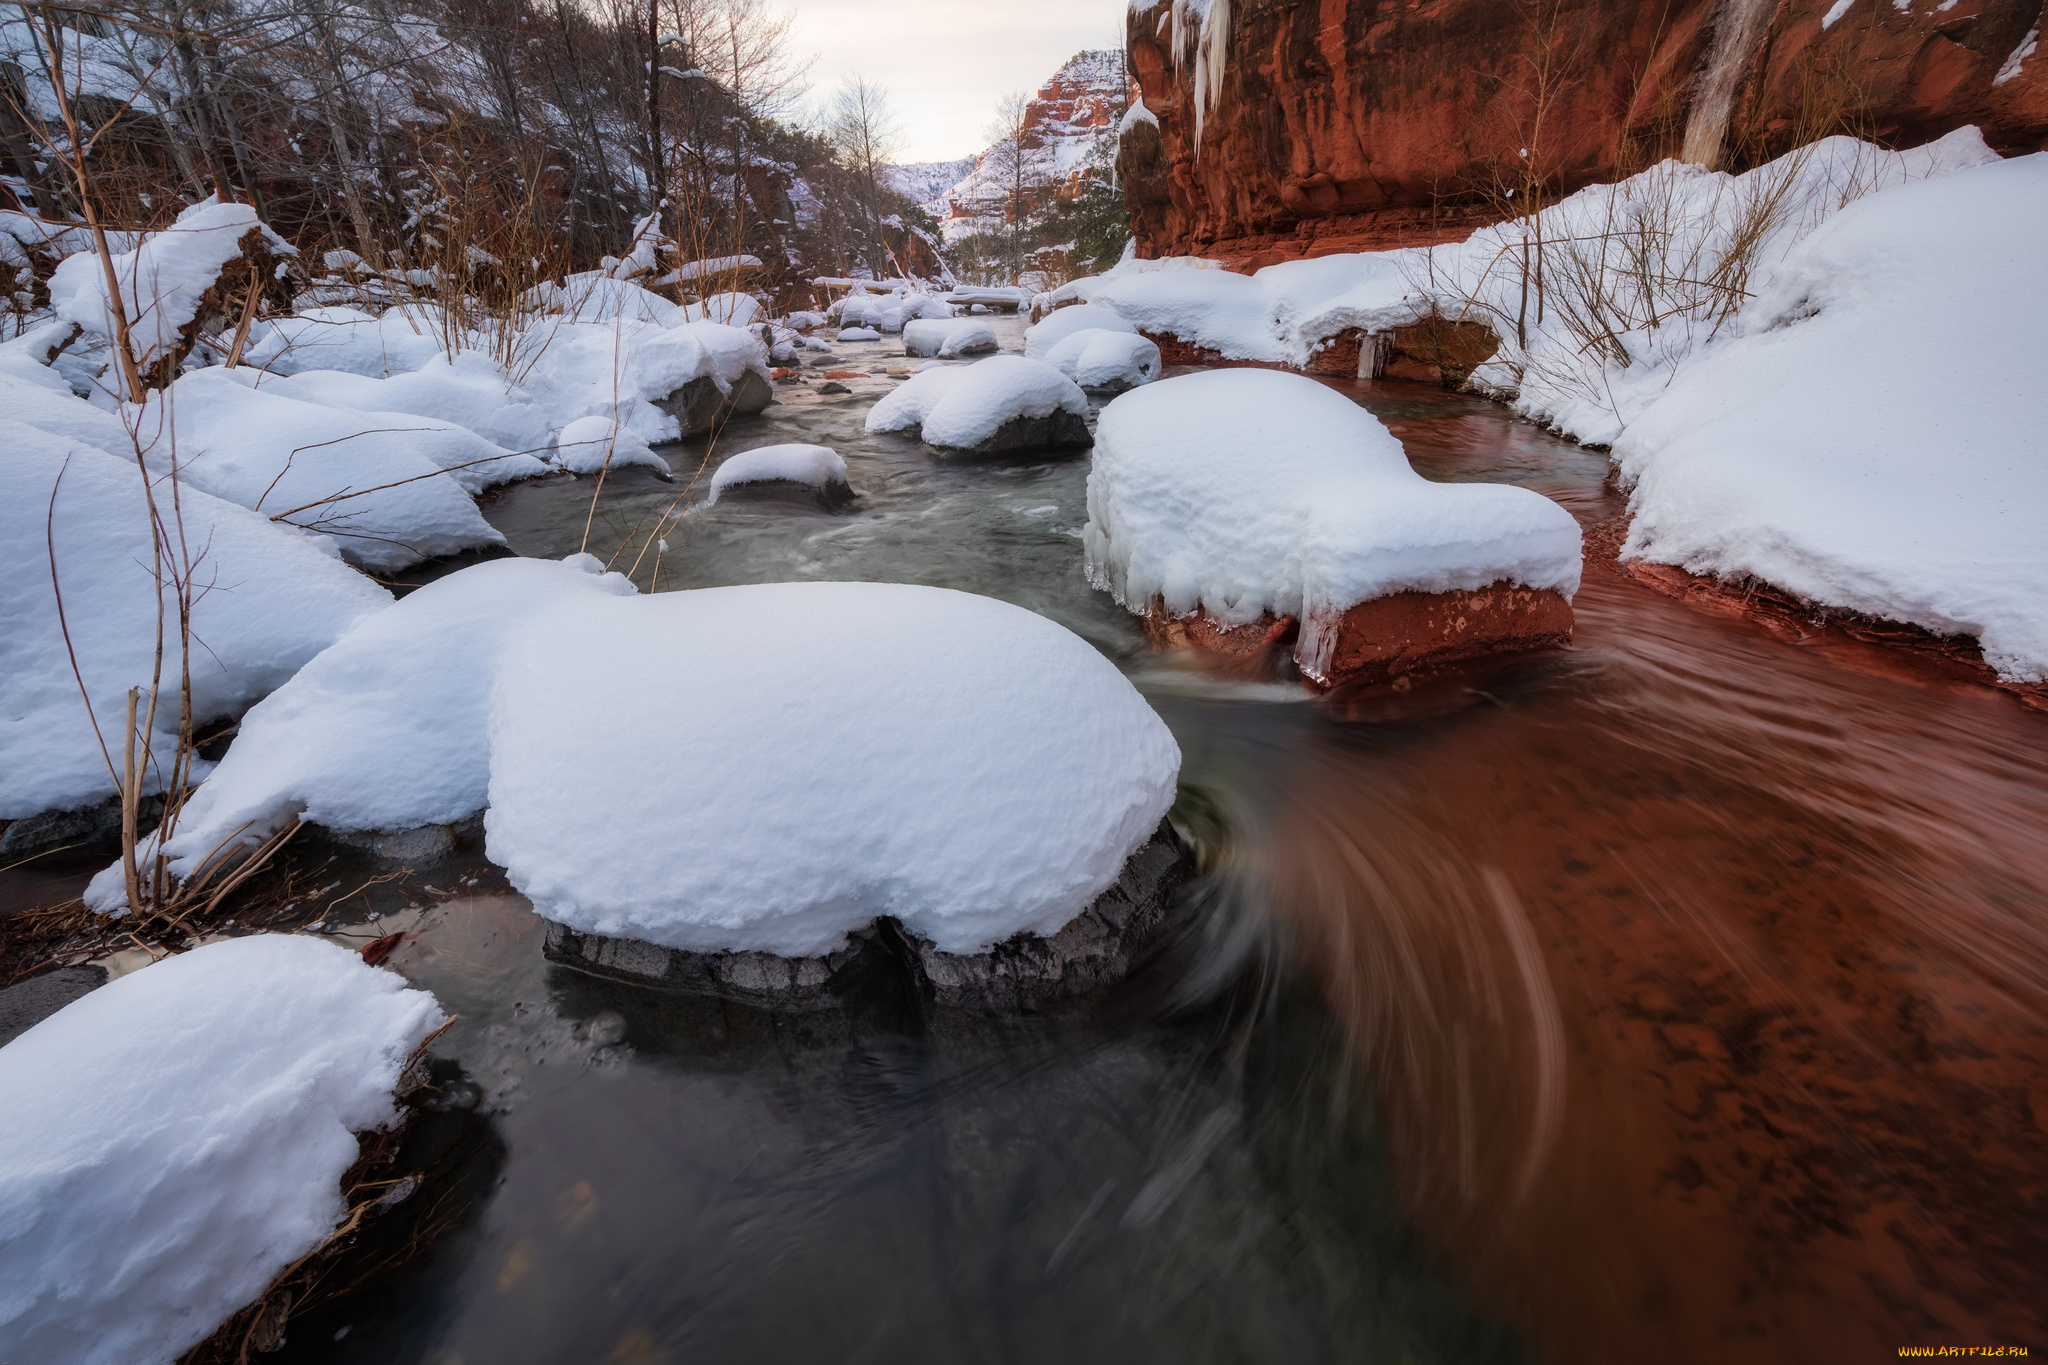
pixel 1348 125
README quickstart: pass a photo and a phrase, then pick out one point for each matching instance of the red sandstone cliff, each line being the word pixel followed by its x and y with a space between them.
pixel 1344 125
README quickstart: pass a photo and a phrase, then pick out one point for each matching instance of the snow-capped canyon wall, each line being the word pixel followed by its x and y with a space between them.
pixel 1347 125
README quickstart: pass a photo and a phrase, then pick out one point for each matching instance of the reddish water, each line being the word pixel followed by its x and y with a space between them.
pixel 1706 975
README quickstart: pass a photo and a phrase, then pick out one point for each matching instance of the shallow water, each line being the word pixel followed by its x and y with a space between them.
pixel 1681 995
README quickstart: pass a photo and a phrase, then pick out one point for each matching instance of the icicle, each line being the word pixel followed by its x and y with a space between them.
pixel 1206 28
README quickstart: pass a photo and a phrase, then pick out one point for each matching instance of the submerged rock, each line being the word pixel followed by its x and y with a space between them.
pixel 1096 949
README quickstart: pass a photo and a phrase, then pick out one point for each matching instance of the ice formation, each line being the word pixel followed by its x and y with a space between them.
pixel 174 1140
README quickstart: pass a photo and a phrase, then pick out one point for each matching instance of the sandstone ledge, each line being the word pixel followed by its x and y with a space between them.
pixel 1096 949
pixel 1380 640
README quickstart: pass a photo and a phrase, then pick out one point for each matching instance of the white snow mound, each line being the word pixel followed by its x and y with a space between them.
pixel 1098 358
pixel 1811 450
pixel 961 406
pixel 947 338
pixel 852 750
pixel 175 1139
pixel 817 466
pixel 1062 323
pixel 268 598
pixel 1241 492
pixel 592 444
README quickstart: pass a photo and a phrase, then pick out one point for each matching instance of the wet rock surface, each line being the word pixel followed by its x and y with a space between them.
pixel 1098 948
pixel 700 407
pixel 1062 430
pixel 27 1003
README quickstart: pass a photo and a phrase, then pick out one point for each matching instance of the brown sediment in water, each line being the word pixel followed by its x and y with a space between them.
pixel 1704 972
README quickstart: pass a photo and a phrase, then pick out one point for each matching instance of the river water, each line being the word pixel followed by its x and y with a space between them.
pixel 1681 995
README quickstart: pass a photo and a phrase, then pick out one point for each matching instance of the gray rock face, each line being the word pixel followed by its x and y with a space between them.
pixel 830 496
pixel 1062 430
pixel 28 1003
pixel 95 831
pixel 700 407
pixel 1098 948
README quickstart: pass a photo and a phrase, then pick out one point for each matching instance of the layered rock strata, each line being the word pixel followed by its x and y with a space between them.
pixel 1361 125
pixel 1097 948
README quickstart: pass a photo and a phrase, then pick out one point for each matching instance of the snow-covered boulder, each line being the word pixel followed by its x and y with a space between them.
pixel 1810 450
pixel 392 489
pixel 730 310
pixel 813 473
pixel 386 730
pixel 267 599
pixel 398 341
pixel 590 445
pixel 1235 500
pixel 1104 361
pixel 948 338
pixel 469 391
pixel 1062 323
pixel 167 282
pixel 859 334
pixel 176 1139
pixel 805 321
pixel 594 296
pixel 1002 405
pixel 660 383
pixel 857 749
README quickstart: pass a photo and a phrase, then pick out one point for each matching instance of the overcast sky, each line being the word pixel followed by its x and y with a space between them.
pixel 945 63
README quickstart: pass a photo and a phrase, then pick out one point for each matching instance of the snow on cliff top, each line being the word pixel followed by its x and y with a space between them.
pixel 985 771
pixel 1812 449
pixel 268 598
pixel 1247 491
pixel 176 1138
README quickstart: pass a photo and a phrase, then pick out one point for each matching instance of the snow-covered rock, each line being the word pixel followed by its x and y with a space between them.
pixel 730 310
pixel 267 599
pixel 818 470
pixel 386 729
pixel 164 280
pixel 1002 404
pixel 469 391
pixel 856 750
pixel 1104 361
pixel 859 334
pixel 392 489
pixel 1248 494
pixel 1061 323
pixel 594 296
pixel 948 338
pixel 397 341
pixel 660 383
pixel 1808 448
pixel 174 1140
pixel 590 445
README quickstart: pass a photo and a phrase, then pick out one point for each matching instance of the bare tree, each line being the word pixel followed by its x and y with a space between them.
pixel 865 133
pixel 1008 162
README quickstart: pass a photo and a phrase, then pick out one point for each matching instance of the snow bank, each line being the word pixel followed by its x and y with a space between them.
pixel 854 750
pixel 1241 492
pixel 731 310
pixel 1096 358
pixel 622 370
pixel 1062 323
pixel 591 444
pixel 162 280
pixel 594 296
pixel 386 729
pixel 818 466
pixel 1811 448
pixel 398 341
pixel 373 481
pixel 268 598
pixel 46 403
pixel 947 338
pixel 469 391
pixel 963 406
pixel 175 1139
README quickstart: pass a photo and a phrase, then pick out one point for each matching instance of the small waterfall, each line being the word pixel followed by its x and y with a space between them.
pixel 1739 27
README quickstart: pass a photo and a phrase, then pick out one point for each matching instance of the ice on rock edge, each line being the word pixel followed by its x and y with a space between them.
pixel 385 730
pixel 1241 492
pixel 175 1139
pixel 855 750
pixel 268 598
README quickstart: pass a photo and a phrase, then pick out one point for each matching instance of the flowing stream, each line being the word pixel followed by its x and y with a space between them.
pixel 1681 995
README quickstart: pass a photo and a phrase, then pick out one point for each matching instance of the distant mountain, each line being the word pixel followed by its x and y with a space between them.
pixel 926 181
pixel 1072 123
